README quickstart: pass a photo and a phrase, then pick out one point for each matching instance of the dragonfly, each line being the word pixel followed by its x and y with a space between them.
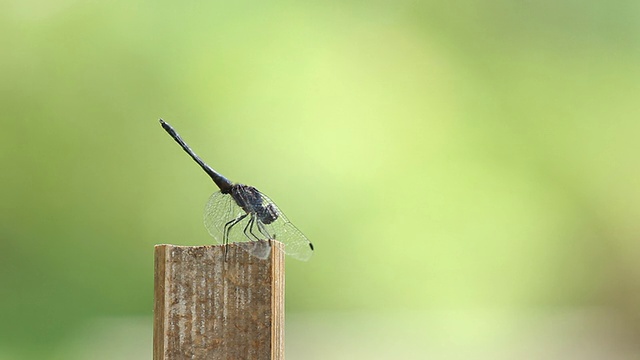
pixel 239 213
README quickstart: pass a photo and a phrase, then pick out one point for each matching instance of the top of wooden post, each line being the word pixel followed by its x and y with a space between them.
pixel 209 307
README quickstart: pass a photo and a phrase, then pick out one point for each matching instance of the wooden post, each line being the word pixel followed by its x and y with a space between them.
pixel 209 308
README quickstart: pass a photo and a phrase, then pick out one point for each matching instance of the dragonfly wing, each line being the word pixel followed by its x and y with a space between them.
pixel 217 212
pixel 295 242
pixel 221 210
pixel 260 249
pixel 252 235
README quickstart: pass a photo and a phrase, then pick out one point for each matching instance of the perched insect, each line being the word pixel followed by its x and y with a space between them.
pixel 240 213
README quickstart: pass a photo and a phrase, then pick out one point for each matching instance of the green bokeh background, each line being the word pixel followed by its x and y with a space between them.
pixel 447 159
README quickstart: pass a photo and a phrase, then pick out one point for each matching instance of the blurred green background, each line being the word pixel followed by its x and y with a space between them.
pixel 467 170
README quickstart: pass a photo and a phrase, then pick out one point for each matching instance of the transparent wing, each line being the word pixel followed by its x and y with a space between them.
pixel 295 243
pixel 221 210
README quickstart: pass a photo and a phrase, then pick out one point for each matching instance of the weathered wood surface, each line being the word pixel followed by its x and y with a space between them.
pixel 209 308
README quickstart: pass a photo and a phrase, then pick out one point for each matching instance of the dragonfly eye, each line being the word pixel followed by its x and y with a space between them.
pixel 268 214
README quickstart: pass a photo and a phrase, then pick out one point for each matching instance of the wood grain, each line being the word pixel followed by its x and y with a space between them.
pixel 209 308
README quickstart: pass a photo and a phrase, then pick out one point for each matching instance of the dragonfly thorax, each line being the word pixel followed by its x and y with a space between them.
pixel 252 202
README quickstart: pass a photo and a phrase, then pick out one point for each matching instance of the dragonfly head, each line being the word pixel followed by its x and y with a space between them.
pixel 268 214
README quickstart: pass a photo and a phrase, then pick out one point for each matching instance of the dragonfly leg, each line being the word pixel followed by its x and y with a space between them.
pixel 227 229
pixel 263 231
pixel 228 226
pixel 249 227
